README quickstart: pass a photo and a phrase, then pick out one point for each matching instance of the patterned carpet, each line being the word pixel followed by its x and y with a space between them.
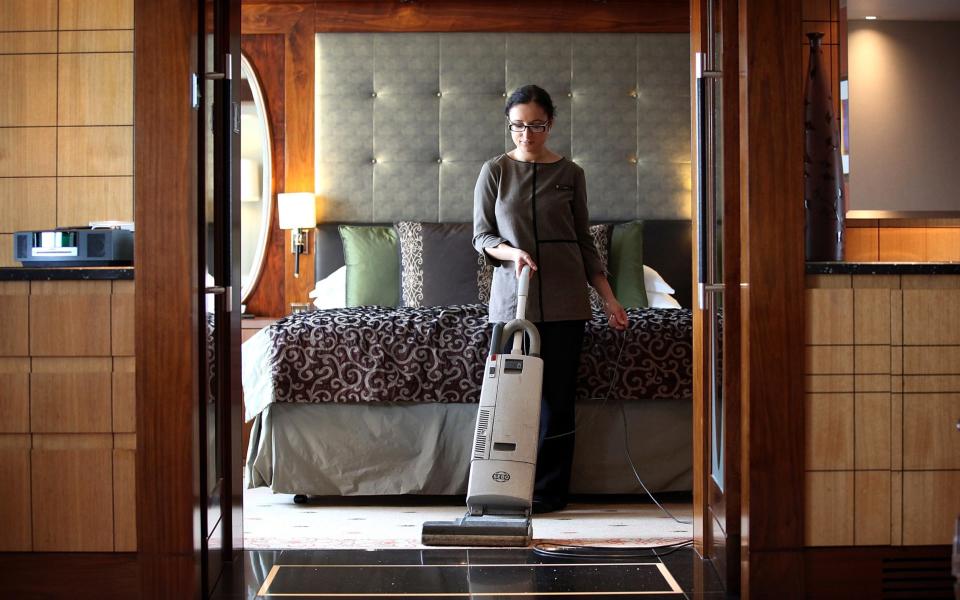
pixel 273 521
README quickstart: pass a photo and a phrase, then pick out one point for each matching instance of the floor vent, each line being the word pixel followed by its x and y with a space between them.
pixel 917 578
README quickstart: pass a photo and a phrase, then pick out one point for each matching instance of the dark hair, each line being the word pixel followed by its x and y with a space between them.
pixel 531 93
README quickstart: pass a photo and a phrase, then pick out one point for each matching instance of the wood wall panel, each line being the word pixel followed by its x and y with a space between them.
pixel 829 360
pixel 871 508
pixel 70 395
pixel 871 315
pixel 14 395
pixel 872 360
pixel 124 394
pixel 943 243
pixel 931 360
pixel 121 318
pixel 862 244
pixel 95 151
pixel 15 499
pixel 28 15
pixel 124 501
pixel 96 41
pixel 829 318
pixel 72 498
pixel 930 282
pixel 36 154
pixel 829 431
pixel 14 318
pixel 27 203
pixel 84 199
pixel 29 96
pixel 6 251
pixel 931 317
pixel 872 431
pixel 28 42
pixel 930 437
pixel 829 508
pixel 931 502
pixel 95 89
pixel 96 14
pixel 70 318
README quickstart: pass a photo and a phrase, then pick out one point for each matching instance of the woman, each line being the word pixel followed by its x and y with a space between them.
pixel 530 209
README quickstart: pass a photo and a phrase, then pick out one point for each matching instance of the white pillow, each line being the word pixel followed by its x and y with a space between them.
pixel 653 282
pixel 661 300
pixel 331 291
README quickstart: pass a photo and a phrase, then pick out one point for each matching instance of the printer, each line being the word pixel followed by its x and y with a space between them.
pixel 104 244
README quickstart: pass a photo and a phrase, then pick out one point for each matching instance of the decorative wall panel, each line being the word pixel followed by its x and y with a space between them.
pixel 405 120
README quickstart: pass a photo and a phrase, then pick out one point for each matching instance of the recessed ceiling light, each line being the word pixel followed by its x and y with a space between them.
pixel 871 17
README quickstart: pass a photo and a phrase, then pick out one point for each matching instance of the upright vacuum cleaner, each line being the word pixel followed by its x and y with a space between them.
pixel 504 460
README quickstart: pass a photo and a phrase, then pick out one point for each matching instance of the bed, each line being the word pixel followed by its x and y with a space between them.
pixel 377 400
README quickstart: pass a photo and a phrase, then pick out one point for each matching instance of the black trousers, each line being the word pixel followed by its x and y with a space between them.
pixel 560 343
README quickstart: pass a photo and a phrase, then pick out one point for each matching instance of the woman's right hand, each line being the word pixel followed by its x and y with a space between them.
pixel 521 259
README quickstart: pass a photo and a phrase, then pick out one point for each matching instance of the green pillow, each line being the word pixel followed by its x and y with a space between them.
pixel 626 265
pixel 373 265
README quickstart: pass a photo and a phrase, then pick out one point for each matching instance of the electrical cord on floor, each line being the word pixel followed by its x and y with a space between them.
pixel 573 551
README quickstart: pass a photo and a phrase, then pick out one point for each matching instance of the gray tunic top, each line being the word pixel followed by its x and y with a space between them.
pixel 540 208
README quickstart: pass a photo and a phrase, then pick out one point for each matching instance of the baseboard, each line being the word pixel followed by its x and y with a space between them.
pixel 77 576
pixel 882 572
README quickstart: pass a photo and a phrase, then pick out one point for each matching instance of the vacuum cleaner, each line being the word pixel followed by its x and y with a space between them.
pixel 504 459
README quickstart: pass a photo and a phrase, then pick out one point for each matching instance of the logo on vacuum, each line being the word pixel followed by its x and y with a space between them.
pixel 501 476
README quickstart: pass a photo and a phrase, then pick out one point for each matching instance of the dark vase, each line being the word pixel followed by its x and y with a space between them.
pixel 822 174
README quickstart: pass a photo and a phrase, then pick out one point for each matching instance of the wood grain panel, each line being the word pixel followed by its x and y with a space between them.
pixel 896 316
pixel 15 499
pixel 896 508
pixel 6 251
pixel 124 501
pixel 930 282
pixel 124 394
pixel 35 155
pixel 78 576
pixel 28 15
pixel 95 89
pixel 118 40
pixel 931 502
pixel 871 315
pixel 821 384
pixel 84 199
pixel 29 203
pixel 816 10
pixel 70 318
pixel 931 360
pixel 931 384
pixel 829 431
pixel 943 243
pixel 829 508
pixel 871 383
pixel 896 360
pixel 95 151
pixel 121 319
pixel 14 395
pixel 872 360
pixel 28 42
pixel 829 281
pixel 830 360
pixel 829 316
pixel 862 244
pixel 96 14
pixel 29 96
pixel 931 317
pixel 872 431
pixel 70 395
pixel 876 281
pixel 930 436
pixel 827 28
pixel 502 15
pixel 903 244
pixel 14 318
pixel 72 500
pixel 872 521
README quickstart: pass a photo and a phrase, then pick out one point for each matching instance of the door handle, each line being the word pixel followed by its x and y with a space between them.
pixel 705 198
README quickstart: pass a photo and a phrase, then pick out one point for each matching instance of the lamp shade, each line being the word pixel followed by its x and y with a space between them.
pixel 249 180
pixel 297 210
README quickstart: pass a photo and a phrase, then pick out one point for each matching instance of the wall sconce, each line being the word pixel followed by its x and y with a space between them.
pixel 298 211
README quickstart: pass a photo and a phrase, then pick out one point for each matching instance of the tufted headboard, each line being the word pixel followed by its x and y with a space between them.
pixel 405 120
pixel 666 248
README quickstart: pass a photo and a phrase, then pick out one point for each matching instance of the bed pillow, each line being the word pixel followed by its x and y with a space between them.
pixel 653 282
pixel 373 269
pixel 331 291
pixel 661 300
pixel 626 265
pixel 439 266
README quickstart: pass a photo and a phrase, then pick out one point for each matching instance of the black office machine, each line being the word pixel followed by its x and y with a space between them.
pixel 74 247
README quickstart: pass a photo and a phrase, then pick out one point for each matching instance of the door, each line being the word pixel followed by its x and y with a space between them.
pixel 218 287
pixel 717 303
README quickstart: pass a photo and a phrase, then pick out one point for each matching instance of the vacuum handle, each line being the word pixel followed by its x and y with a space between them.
pixel 523 287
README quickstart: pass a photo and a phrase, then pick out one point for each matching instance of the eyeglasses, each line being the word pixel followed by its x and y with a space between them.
pixel 518 127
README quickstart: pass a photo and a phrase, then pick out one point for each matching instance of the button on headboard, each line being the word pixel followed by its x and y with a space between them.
pixel 405 120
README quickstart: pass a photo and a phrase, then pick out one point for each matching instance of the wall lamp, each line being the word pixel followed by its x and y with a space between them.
pixel 298 211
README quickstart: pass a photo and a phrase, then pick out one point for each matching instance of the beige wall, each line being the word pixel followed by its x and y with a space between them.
pixel 904 93
pixel 66 114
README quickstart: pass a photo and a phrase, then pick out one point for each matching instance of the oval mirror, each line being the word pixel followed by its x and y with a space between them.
pixel 255 179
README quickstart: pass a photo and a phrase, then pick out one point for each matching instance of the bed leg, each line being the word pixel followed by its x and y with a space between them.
pixel 300 499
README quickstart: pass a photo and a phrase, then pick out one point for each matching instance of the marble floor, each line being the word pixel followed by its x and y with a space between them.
pixel 467 573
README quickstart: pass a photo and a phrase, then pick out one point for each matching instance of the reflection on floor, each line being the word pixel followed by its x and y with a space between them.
pixel 463 573
pixel 273 521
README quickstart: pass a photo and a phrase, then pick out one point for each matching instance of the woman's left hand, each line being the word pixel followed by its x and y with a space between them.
pixel 616 316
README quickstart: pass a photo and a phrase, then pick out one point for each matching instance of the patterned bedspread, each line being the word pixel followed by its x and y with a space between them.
pixel 437 354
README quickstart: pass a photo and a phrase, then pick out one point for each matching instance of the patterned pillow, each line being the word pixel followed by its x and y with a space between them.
pixel 439 267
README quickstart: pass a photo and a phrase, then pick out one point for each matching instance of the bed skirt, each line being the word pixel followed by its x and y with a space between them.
pixel 333 449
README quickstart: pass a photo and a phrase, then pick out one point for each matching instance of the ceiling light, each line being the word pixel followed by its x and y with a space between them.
pixel 871 17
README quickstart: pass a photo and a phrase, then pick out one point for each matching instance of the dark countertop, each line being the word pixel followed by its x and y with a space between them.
pixel 65 273
pixel 883 268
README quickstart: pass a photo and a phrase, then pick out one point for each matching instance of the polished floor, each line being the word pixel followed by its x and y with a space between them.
pixel 468 573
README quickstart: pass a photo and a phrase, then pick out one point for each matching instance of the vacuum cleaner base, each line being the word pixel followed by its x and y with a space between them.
pixel 487 530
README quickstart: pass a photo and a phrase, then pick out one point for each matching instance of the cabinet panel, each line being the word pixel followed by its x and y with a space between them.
pixel 70 318
pixel 124 394
pixel 872 416
pixel 122 318
pixel 14 395
pixel 829 431
pixel 15 499
pixel 828 360
pixel 931 317
pixel 871 316
pixel 125 501
pixel 931 360
pixel 931 503
pixel 71 395
pixel 14 318
pixel 829 508
pixel 829 316
pixel 72 499
pixel 930 436
pixel 872 508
